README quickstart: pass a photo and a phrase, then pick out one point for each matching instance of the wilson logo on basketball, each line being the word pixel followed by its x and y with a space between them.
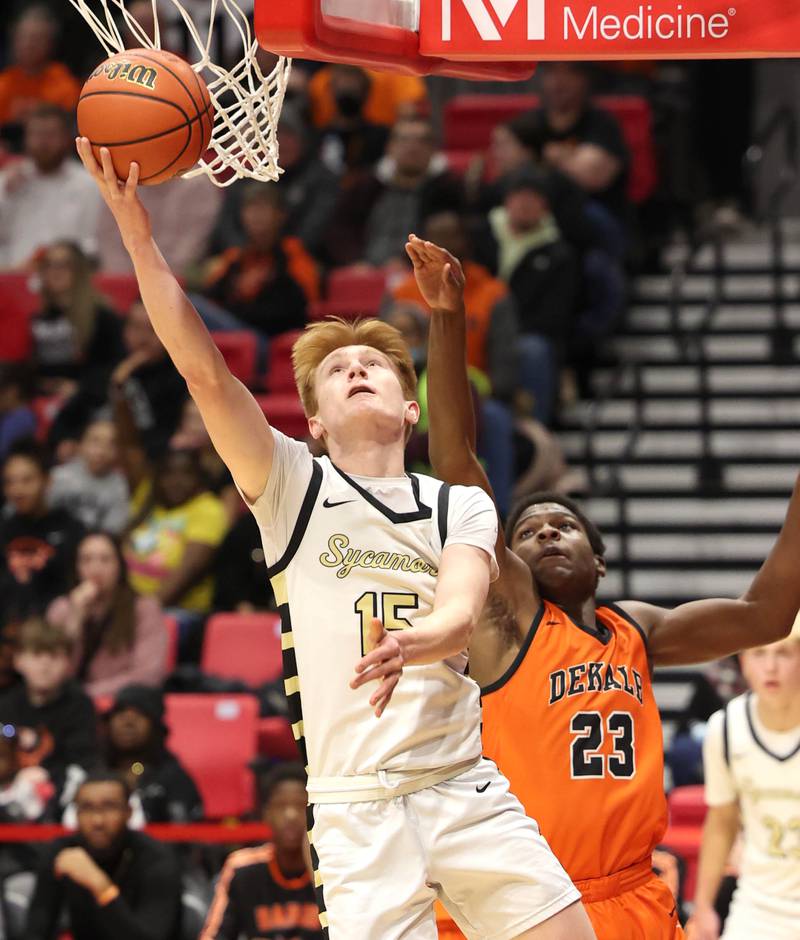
pixel 137 74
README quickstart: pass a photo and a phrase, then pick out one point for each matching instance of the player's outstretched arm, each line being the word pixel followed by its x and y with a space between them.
pixel 234 420
pixel 708 629
pixel 451 436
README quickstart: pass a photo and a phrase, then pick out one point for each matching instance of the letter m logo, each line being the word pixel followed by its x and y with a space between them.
pixel 491 16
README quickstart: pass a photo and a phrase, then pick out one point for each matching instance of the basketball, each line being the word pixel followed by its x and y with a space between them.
pixel 147 106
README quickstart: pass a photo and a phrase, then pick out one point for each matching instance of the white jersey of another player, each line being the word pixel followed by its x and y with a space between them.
pixel 341 550
pixel 759 769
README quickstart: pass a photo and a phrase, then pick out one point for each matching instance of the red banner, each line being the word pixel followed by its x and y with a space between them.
pixel 538 30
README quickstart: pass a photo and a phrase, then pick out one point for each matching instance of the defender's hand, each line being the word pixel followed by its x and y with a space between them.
pixel 383 662
pixel 121 198
pixel 439 275
pixel 704 924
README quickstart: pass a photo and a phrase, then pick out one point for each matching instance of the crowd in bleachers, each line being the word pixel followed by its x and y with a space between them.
pixel 137 633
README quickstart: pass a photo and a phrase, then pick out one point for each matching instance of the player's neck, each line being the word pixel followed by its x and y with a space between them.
pixel 369 458
pixel 779 715
pixel 581 611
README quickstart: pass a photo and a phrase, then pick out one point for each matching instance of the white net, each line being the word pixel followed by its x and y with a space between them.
pixel 222 48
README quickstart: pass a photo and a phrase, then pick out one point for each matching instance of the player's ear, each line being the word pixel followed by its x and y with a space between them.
pixel 600 566
pixel 412 412
pixel 315 428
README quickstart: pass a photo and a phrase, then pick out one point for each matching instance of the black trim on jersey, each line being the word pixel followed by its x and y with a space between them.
pixel 526 645
pixel 747 708
pixel 318 888
pixel 301 525
pixel 601 632
pixel 442 508
pixel 626 616
pixel 726 738
pixel 422 511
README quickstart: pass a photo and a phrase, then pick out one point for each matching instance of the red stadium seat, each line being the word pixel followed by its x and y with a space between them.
pixel 243 646
pixel 687 806
pixel 275 739
pixel 469 120
pixel 215 736
pixel 280 376
pixel 285 412
pixel 358 287
pixel 120 289
pixel 240 351
pixel 17 302
pixel 45 407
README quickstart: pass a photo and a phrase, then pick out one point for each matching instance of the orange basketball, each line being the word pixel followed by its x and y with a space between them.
pixel 147 106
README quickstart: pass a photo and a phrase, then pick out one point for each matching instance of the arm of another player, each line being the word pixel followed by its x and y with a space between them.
pixel 719 833
pixel 461 589
pixel 708 629
pixel 452 423
pixel 237 425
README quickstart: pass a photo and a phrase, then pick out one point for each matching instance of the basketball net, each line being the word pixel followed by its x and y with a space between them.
pixel 247 104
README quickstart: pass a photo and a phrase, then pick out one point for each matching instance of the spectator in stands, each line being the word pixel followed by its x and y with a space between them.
pixel 267 283
pixel 240 583
pixel 177 528
pixel 25 791
pixel 576 137
pixel 145 379
pixel 391 96
pixel 47 196
pixel 106 879
pixel 377 211
pixel 349 141
pixel 90 485
pixel 33 77
pixel 53 716
pixel 9 636
pixel 193 435
pixel 37 544
pixel 310 190
pixel 523 245
pixel 136 749
pixel 75 332
pixel 17 418
pixel 267 893
pixel 119 636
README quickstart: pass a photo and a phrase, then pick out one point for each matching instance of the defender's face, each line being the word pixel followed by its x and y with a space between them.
pixel 554 545
pixel 358 390
pixel 773 672
pixel 286 814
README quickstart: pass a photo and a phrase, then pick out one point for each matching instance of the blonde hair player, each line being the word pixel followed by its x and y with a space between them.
pixel 751 757
pixel 404 809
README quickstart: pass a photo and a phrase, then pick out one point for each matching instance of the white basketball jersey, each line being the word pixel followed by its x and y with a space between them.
pixel 351 558
pixel 768 785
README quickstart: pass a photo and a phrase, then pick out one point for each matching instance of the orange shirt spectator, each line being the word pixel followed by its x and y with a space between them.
pixel 33 77
pixel 20 91
pixel 390 96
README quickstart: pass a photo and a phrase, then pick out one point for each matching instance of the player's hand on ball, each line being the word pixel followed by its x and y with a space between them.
pixel 439 275
pixel 383 663
pixel 120 197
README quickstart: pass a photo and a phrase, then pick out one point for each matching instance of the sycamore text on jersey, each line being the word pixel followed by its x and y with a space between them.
pixel 341 556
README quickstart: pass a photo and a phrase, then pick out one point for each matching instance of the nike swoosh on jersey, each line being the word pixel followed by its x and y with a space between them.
pixel 329 505
pixel 484 788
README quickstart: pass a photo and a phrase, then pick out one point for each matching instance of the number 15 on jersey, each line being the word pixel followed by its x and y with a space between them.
pixel 386 607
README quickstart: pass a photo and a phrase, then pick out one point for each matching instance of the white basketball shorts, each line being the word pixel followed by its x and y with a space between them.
pixel 466 841
pixel 754 916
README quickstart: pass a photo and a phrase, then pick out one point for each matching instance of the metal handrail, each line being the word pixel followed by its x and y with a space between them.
pixel 691 342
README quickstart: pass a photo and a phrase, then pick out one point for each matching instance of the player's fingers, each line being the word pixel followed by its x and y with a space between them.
pixel 387 664
pixel 87 157
pixel 413 253
pixel 132 180
pixel 384 694
pixel 109 173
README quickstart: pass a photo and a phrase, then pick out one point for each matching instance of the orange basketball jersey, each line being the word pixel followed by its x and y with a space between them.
pixel 574 726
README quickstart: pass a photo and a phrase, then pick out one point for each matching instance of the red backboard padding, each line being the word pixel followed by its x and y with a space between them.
pixel 469 120
pixel 215 737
